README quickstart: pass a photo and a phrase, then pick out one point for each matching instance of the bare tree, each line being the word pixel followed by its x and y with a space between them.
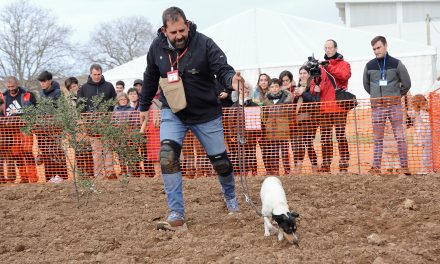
pixel 120 41
pixel 31 41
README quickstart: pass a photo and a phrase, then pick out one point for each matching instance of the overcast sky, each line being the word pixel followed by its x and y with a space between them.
pixel 84 15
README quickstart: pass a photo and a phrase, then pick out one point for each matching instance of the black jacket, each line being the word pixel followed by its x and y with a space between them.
pixel 54 92
pixel 91 89
pixel 14 105
pixel 203 62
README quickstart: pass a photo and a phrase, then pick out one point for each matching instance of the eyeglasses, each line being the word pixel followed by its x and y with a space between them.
pixel 284 80
pixel 122 99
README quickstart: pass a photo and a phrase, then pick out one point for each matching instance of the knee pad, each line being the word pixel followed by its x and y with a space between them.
pixel 169 156
pixel 221 163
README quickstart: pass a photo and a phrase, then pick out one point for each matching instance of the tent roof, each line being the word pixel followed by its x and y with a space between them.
pixel 128 71
pixel 259 38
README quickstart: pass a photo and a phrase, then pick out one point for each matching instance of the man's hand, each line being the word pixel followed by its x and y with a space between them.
pixel 237 80
pixel 316 89
pixel 144 121
pixel 223 95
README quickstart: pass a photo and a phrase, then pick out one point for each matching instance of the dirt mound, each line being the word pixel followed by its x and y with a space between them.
pixel 344 219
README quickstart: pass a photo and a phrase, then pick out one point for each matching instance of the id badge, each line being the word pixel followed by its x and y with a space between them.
pixel 173 76
pixel 383 83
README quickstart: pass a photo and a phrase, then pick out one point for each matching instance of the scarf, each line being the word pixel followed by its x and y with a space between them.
pixel 276 96
pixel 334 57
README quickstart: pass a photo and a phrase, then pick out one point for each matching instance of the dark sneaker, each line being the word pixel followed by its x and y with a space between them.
pixel 232 205
pixel 174 222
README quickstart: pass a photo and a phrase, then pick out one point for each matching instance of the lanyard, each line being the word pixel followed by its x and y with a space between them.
pixel 177 59
pixel 383 69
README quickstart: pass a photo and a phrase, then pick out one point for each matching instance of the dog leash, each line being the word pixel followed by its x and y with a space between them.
pixel 241 140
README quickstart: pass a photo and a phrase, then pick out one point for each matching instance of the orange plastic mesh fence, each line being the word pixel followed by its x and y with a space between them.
pixel 378 136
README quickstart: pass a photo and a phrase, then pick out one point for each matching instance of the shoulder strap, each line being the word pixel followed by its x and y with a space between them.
pixel 332 80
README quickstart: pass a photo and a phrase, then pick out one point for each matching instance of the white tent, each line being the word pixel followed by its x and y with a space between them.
pixel 258 41
pixel 261 41
pixel 127 72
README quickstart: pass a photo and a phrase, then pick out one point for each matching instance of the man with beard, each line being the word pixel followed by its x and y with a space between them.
pixel 186 64
pixel 16 99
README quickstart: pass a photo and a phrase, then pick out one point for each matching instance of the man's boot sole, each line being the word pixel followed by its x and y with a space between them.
pixel 164 225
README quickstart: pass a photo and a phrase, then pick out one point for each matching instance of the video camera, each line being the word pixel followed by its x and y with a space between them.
pixel 313 64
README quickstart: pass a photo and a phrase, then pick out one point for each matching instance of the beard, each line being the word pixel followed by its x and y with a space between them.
pixel 13 91
pixel 180 44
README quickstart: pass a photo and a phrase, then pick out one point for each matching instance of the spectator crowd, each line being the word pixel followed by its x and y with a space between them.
pixel 285 117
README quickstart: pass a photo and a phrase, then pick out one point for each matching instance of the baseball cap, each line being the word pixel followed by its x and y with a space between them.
pixel 137 81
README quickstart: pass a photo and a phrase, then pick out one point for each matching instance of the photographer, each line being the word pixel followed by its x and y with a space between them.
pixel 331 114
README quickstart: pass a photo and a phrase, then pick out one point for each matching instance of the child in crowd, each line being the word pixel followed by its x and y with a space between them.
pixel 422 131
pixel 391 162
pixel 243 127
pixel 276 120
pixel 134 98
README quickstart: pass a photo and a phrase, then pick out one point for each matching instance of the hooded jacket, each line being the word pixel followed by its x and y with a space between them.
pixel 202 63
pixel 54 91
pixel 91 89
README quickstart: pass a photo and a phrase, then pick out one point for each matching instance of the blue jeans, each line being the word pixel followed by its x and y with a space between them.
pixel 211 136
pixel 394 113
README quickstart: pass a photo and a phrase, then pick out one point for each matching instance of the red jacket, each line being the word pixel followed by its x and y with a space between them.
pixel 341 71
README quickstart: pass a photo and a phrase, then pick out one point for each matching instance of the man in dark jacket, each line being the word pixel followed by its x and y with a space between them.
pixel 49 141
pixel 49 88
pixel 386 79
pixel 16 97
pixel 187 62
pixel 97 86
